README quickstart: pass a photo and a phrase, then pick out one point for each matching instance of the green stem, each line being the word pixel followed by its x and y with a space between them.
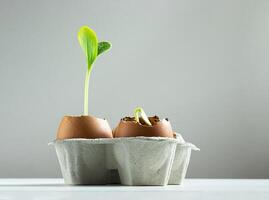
pixel 139 111
pixel 86 91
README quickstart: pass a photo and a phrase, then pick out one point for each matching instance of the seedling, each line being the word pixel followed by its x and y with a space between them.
pixel 92 48
pixel 139 111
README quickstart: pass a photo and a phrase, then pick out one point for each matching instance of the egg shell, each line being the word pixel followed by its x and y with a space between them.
pixel 161 128
pixel 83 127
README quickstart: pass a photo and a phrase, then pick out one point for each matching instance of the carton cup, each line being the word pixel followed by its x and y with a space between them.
pixel 82 161
pixel 181 161
pixel 144 160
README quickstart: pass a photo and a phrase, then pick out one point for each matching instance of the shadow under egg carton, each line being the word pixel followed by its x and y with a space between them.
pixel 126 161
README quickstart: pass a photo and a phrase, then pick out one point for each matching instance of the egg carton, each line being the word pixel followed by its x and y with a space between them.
pixel 126 161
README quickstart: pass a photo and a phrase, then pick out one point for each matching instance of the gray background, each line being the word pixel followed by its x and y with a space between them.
pixel 202 64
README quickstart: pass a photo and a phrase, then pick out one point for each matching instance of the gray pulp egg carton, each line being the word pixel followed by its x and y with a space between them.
pixel 126 161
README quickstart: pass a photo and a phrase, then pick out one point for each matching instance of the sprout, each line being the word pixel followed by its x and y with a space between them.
pixel 92 48
pixel 140 111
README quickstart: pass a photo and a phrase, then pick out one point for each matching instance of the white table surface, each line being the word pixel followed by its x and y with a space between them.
pixel 208 189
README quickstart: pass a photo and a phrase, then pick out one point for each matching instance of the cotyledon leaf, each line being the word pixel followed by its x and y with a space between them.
pixel 103 46
pixel 89 43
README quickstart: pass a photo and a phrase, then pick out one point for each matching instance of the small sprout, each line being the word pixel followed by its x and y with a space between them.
pixel 92 48
pixel 139 111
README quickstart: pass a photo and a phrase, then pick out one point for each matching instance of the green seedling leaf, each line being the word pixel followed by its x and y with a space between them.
pixel 103 46
pixel 89 43
pixel 139 111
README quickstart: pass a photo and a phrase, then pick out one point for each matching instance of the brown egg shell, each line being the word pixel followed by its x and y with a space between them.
pixel 83 127
pixel 161 128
